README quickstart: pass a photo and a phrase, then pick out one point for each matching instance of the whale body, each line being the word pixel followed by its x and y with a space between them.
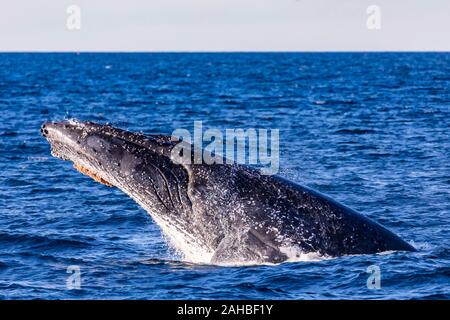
pixel 218 213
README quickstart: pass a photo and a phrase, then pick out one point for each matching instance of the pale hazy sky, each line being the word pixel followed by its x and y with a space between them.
pixel 224 25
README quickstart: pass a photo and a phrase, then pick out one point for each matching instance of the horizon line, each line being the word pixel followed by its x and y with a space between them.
pixel 224 51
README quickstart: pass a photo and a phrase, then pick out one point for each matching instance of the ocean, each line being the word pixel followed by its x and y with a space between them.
pixel 371 130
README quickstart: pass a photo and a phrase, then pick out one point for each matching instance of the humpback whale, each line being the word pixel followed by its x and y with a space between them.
pixel 218 213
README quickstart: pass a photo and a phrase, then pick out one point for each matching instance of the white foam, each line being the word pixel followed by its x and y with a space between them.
pixel 421 245
pixel 295 254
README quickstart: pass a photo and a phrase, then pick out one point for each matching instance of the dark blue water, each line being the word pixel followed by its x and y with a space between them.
pixel 370 130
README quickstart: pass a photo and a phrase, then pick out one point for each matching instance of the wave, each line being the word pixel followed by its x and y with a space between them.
pixel 355 131
pixel 42 242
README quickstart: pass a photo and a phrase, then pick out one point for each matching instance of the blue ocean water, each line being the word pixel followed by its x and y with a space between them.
pixel 369 129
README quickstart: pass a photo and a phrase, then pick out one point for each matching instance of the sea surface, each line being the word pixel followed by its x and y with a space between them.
pixel 370 130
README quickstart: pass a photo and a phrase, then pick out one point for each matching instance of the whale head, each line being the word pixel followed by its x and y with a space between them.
pixel 138 164
pixel 113 156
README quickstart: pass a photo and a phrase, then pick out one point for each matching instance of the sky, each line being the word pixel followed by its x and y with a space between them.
pixel 225 25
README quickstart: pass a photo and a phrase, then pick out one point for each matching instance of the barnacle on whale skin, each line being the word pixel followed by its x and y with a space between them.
pixel 92 175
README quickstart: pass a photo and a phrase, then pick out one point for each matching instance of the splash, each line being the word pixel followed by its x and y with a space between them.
pixel 295 254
